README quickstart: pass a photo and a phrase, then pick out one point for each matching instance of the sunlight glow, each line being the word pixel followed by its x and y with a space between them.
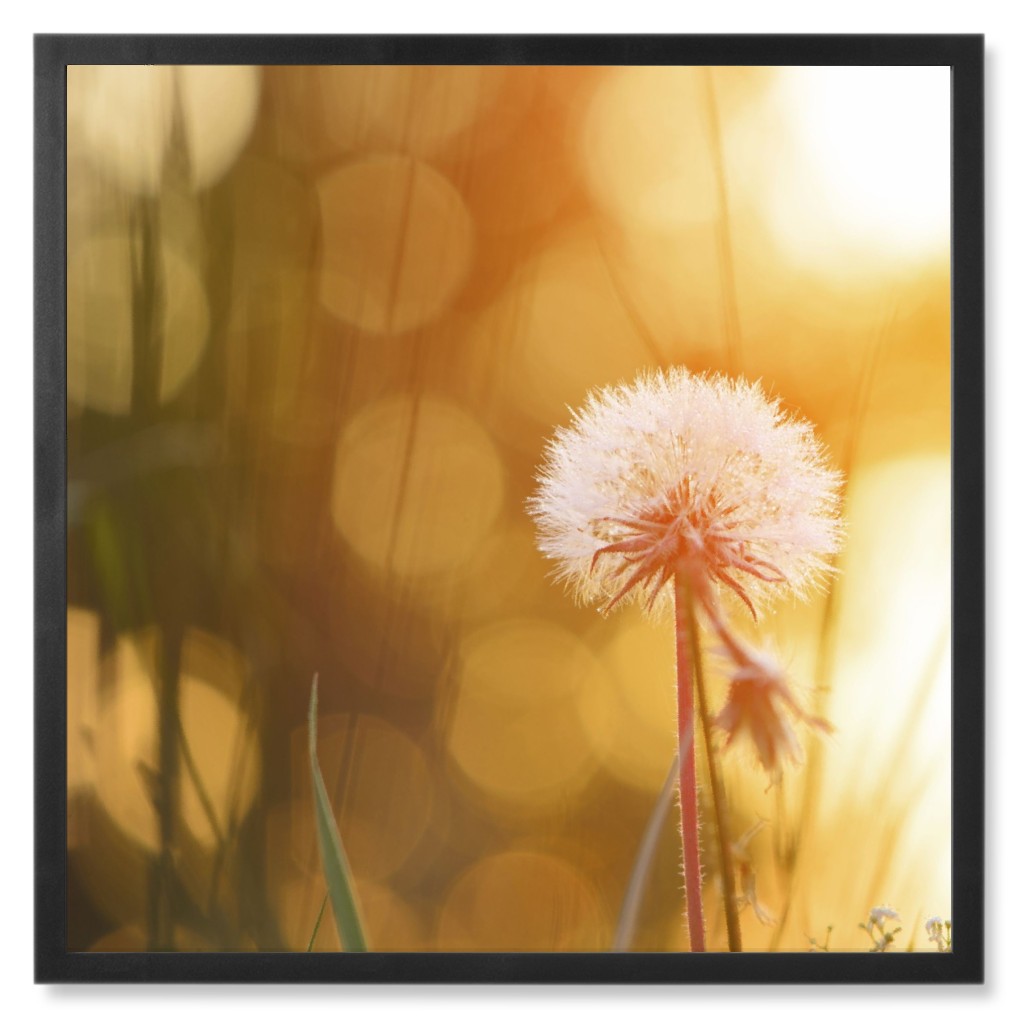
pixel 869 167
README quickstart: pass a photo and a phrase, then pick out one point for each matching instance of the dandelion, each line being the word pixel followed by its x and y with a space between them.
pixel 760 705
pixel 677 473
pixel 701 487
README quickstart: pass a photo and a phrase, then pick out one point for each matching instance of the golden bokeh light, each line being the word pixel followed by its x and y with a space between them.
pixel 219 747
pixel 505 571
pixel 632 717
pixel 218 107
pixel 405 108
pixel 120 114
pixel 417 485
pixel 395 925
pixel 557 330
pixel 645 147
pixel 522 901
pixel 398 242
pixel 101 335
pixel 124 116
pixel 892 687
pixel 515 730
pixel 647 143
pixel 83 698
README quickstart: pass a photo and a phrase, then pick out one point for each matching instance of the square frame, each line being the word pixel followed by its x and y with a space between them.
pixel 964 55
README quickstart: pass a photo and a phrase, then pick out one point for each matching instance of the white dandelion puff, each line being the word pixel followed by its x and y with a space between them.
pixel 682 473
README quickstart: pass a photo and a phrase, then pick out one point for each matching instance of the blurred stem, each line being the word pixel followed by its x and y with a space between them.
pixel 197 780
pixel 688 819
pixel 825 659
pixel 147 308
pixel 780 854
pixel 718 801
pixel 625 930
pixel 723 229
pixel 168 790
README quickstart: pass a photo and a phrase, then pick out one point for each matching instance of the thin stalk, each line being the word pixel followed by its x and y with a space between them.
pixel 723 229
pixel 732 920
pixel 316 927
pixel 169 803
pixel 197 781
pixel 689 822
pixel 641 873
pixel 827 636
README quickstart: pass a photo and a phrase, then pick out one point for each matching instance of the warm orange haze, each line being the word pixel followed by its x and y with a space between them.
pixel 515 404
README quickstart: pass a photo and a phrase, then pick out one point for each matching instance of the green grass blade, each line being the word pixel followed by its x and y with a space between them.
pixel 316 927
pixel 332 853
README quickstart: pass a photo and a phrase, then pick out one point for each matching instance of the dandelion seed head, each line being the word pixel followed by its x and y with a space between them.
pixel 680 472
pixel 760 706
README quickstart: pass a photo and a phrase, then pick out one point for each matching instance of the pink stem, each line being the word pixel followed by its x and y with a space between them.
pixel 688 771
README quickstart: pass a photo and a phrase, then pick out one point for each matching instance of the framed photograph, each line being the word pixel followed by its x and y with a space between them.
pixel 509 509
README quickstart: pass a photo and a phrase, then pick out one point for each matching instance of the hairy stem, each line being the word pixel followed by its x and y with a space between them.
pixel 688 768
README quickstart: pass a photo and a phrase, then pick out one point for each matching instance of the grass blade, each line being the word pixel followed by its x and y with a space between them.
pixel 332 853
pixel 316 927
pixel 629 915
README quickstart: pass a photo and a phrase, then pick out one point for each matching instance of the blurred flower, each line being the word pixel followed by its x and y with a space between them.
pixel 682 473
pixel 878 930
pixel 879 915
pixel 760 705
pixel 744 863
pixel 940 932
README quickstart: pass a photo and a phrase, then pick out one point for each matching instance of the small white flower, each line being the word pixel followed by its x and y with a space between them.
pixel 879 915
pixel 877 929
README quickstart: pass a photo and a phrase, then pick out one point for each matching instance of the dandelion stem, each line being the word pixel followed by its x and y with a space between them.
pixel 688 769
pixel 732 922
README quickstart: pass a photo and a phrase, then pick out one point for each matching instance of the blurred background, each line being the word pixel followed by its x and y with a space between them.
pixel 321 321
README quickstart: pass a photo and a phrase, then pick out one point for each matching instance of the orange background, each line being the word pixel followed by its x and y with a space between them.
pixel 320 324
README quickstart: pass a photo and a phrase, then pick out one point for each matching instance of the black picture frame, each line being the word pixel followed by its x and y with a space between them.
pixel 964 54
